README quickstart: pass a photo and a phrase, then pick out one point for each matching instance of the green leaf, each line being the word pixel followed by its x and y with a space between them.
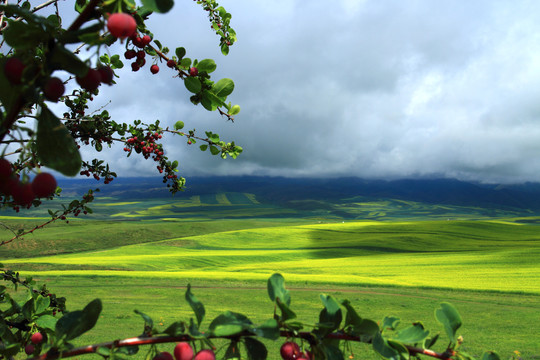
pixel 196 305
pixel 224 49
pixel 41 304
pixel 148 322
pixel 412 335
pixel 276 289
pixel 62 58
pixel 449 317
pixel 203 147
pixel 214 150
pixel 234 110
pixel 179 125
pixel 47 322
pixel 207 65
pixel 269 329
pixel 180 53
pixel 255 349
pixel 390 322
pixel 193 84
pixel 331 314
pixel 76 323
pixel 21 35
pixel 381 346
pixel 55 147
pixel 160 6
pixel 229 323
pixel 490 355
pixel 185 63
pixel 286 312
pixel 223 88
pixel 176 328
pixel 214 100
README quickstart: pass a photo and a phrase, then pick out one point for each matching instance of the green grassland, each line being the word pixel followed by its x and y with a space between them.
pixel 402 259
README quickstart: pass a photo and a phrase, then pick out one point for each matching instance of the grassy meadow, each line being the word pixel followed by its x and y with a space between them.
pixel 142 254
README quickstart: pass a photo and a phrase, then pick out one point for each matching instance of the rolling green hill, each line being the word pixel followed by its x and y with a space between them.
pixel 479 255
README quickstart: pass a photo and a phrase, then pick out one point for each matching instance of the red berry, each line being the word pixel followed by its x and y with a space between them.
pixel 121 25
pixel 29 349
pixel 145 40
pixel 23 195
pixel 106 74
pixel 289 350
pixel 171 63
pixel 193 71
pixel 154 69
pixel 183 351
pixel 141 54
pixel 36 338
pixel 205 354
pixel 135 66
pixel 137 41
pixel 130 54
pixel 90 81
pixel 13 69
pixel 8 185
pixel 44 185
pixel 54 89
pixel 163 356
pixel 5 169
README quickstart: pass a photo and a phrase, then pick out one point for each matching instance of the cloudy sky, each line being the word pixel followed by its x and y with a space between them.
pixel 374 88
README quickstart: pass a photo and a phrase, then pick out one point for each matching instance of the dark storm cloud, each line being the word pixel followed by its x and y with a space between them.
pixel 367 88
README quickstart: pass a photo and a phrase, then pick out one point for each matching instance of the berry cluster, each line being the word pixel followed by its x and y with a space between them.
pixel 24 193
pixel 184 351
pixel 146 144
pixel 138 53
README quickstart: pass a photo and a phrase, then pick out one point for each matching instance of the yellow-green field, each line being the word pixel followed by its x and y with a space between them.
pixel 482 255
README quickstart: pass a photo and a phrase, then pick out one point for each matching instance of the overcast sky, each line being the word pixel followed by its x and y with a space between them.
pixel 375 89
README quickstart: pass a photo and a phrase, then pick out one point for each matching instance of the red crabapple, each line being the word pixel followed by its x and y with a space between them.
pixel 36 338
pixel 23 195
pixel 193 71
pixel 121 25
pixel 205 354
pixel 171 63
pixel 163 356
pixel 54 89
pixel 13 69
pixel 289 350
pixel 29 349
pixel 5 169
pixel 183 351
pixel 145 40
pixel 106 74
pixel 44 185
pixel 130 54
pixel 154 69
pixel 90 81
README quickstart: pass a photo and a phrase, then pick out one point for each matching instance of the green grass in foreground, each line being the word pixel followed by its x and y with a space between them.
pixel 501 322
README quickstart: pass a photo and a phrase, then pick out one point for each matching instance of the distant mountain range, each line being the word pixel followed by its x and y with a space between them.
pixel 280 190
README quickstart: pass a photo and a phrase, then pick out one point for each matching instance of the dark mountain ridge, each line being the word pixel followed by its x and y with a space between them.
pixel 281 190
